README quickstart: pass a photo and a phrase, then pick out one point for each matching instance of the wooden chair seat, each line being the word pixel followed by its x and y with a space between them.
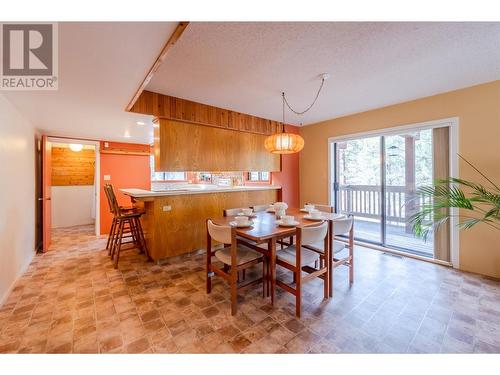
pixel 289 254
pixel 338 246
pixel 242 255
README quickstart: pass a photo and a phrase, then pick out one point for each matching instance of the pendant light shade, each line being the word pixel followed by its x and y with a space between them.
pixel 290 143
pixel 284 143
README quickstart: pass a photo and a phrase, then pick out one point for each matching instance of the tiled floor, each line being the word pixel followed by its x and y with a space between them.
pixel 72 300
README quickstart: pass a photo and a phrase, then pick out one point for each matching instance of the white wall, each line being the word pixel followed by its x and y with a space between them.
pixel 72 205
pixel 17 195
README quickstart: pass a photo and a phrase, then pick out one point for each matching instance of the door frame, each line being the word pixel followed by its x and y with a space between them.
pixel 452 123
pixel 97 174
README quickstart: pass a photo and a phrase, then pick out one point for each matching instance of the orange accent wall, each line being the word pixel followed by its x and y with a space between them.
pixel 126 171
pixel 288 178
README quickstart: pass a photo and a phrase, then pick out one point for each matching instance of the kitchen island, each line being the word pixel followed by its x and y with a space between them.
pixel 175 219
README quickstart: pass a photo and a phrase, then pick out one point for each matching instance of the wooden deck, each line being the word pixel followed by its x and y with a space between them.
pixel 396 236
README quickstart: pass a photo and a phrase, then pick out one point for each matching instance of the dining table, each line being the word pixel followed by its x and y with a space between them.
pixel 266 230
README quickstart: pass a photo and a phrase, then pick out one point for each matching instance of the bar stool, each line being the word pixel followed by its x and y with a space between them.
pixel 126 224
pixel 107 189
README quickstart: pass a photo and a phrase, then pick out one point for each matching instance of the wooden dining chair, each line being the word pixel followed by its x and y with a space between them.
pixel 297 259
pixel 323 208
pixel 235 258
pixel 338 227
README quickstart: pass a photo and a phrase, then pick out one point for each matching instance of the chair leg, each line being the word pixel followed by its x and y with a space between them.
pixel 351 270
pixel 133 233
pixel 120 238
pixel 298 296
pixel 143 239
pixel 114 245
pixel 110 236
pixel 209 279
pixel 268 278
pixel 326 283
pixel 330 287
pixel 234 291
pixel 264 277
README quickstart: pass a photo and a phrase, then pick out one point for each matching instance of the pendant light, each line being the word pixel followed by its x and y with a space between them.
pixel 289 143
pixel 284 143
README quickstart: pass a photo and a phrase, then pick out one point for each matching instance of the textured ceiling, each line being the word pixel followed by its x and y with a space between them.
pixel 245 66
pixel 101 64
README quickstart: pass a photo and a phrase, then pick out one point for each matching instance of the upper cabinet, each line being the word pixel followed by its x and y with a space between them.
pixel 191 147
pixel 192 136
pixel 172 108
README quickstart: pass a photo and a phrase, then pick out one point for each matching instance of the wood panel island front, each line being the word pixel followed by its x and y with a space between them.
pixel 174 222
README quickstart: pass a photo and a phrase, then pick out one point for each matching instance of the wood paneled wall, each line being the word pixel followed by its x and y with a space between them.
pixel 71 168
pixel 183 229
pixel 172 108
pixel 189 147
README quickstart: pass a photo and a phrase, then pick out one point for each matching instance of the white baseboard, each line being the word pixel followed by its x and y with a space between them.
pixel 21 271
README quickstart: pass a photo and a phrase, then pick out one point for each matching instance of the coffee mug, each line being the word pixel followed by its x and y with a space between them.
pixel 287 219
pixel 241 220
pixel 247 211
pixel 309 207
pixel 315 214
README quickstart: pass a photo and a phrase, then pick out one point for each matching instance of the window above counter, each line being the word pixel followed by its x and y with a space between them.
pixel 214 178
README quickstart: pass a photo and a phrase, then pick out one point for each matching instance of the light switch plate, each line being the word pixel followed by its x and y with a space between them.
pixel 107 177
pixel 167 208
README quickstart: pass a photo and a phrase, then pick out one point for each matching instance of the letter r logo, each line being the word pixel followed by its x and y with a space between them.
pixel 27 49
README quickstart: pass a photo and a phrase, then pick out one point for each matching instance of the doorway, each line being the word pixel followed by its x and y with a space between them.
pixel 70 185
pixel 375 177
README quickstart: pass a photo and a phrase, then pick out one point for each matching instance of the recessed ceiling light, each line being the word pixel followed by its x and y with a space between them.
pixel 75 147
pixel 140 123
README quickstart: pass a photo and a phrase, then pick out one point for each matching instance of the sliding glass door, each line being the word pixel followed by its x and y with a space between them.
pixel 376 179
pixel 359 185
pixel 408 165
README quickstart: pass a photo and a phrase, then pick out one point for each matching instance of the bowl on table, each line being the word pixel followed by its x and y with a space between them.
pixel 241 222
pixel 247 211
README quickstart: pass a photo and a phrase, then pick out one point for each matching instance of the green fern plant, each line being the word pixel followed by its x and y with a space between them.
pixel 476 203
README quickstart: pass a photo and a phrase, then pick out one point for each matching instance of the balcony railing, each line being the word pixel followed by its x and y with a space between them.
pixel 365 201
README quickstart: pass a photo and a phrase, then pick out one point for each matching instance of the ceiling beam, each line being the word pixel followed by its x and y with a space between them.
pixel 159 60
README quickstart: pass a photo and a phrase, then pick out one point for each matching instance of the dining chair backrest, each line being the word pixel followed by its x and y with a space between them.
pixel 323 207
pixel 261 207
pixel 110 204
pixel 342 226
pixel 115 207
pixel 232 211
pixel 310 235
pixel 220 233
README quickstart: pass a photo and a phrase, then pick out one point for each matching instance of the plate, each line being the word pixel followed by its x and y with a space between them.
pixel 282 224
pixel 246 225
pixel 309 217
pixel 242 214
pixel 303 210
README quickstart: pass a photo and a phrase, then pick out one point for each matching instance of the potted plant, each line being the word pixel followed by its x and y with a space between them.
pixel 477 203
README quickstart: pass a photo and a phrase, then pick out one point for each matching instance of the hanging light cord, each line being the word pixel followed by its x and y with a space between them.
pixel 308 108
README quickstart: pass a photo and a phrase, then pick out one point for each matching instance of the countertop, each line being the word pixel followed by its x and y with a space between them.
pixel 195 189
